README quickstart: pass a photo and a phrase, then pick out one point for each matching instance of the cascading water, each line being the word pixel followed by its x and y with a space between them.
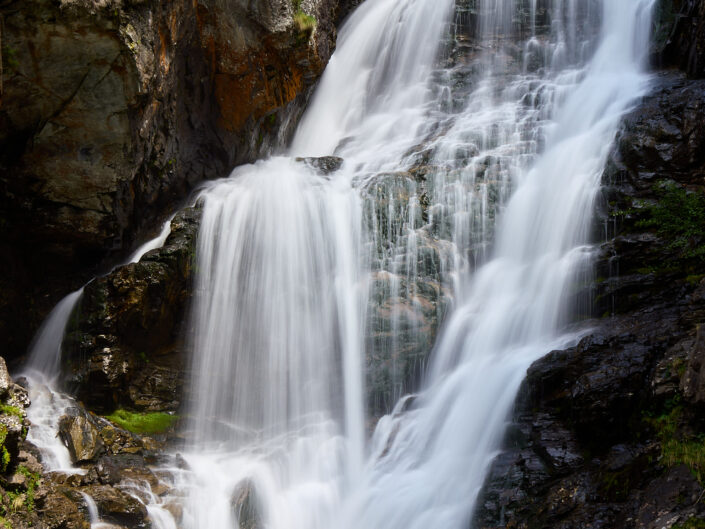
pixel 429 463
pixel 277 324
pixel 469 185
pixel 278 413
pixel 277 405
pixel 42 372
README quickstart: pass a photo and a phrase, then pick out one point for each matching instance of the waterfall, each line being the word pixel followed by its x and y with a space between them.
pixel 428 464
pixel 493 186
pixel 473 137
pixel 43 368
pixel 42 373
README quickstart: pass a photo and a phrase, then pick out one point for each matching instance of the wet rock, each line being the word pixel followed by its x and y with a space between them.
pixel 80 435
pixel 587 449
pixel 58 511
pixel 124 345
pixel 5 380
pixel 324 165
pixel 407 297
pixel 111 469
pixel 118 507
pixel 693 379
pixel 683 35
pixel 245 507
pixel 119 441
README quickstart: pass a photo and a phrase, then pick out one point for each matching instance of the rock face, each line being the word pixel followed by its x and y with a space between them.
pixel 124 344
pixel 111 111
pixel 117 477
pixel 408 297
pixel 609 433
pixel 683 22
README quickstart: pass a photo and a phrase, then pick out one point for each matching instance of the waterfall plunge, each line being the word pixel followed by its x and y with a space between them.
pixel 277 414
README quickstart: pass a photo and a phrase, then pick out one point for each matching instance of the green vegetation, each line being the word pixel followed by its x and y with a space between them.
pixel 615 485
pixel 6 409
pixel 304 23
pixel 690 523
pixel 679 217
pixel 17 500
pixel 4 453
pixel 143 423
pixel 32 482
pixel 677 449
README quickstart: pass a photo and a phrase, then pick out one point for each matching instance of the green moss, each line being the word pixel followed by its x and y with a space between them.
pixel 694 279
pixel 4 459
pixel 32 482
pixel 678 217
pixel 690 523
pixel 678 449
pixel 11 410
pixel 143 423
pixel 304 23
pixel 22 500
pixel 4 453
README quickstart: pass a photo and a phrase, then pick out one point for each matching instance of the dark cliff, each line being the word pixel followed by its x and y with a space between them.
pixel 112 111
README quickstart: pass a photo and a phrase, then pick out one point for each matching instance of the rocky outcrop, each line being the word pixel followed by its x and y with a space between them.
pixel 609 433
pixel 13 419
pixel 111 111
pixel 680 35
pixel 124 346
pixel 115 463
pixel 408 298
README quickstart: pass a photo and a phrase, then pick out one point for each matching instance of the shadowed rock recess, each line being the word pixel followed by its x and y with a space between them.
pixel 112 110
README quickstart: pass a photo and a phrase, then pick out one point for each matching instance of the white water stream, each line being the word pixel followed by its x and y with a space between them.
pixel 42 372
pixel 288 260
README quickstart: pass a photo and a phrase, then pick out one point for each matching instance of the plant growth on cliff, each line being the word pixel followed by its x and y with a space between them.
pixel 678 216
pixel 676 447
pixel 304 23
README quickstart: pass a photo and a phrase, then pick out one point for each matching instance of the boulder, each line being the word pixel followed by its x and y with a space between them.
pixel 58 511
pixel 118 507
pixel 124 346
pixel 5 380
pixel 81 436
pixel 245 507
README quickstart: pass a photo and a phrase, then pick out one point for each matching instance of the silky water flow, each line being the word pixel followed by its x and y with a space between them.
pixel 470 171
